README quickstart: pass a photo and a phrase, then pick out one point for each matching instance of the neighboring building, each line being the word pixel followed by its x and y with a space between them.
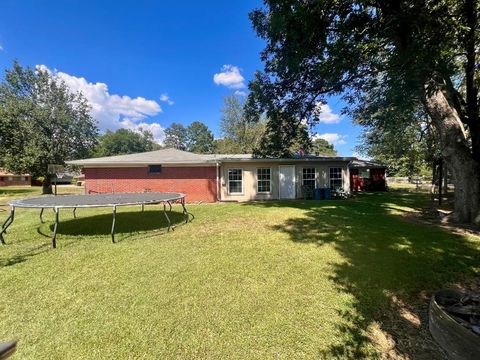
pixel 214 177
pixel 9 179
pixel 367 176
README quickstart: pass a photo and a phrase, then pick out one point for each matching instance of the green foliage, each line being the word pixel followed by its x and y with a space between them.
pixel 239 136
pixel 408 153
pixel 323 147
pixel 196 138
pixel 199 138
pixel 125 141
pixel 381 56
pixel 42 122
pixel 227 146
pixel 176 136
pixel 283 136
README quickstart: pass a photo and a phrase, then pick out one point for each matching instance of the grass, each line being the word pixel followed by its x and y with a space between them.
pixel 329 279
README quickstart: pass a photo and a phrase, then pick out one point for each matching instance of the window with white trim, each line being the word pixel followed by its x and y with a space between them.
pixel 235 181
pixel 308 177
pixel 264 180
pixel 336 178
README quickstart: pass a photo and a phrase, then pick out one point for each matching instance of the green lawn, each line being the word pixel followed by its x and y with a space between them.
pixel 330 279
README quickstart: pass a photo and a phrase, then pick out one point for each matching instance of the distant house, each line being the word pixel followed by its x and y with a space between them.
pixel 218 177
pixel 9 179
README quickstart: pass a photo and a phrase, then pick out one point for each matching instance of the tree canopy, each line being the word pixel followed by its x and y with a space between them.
pixel 125 141
pixel 323 147
pixel 389 60
pixel 199 138
pixel 176 136
pixel 42 122
pixel 196 138
pixel 239 136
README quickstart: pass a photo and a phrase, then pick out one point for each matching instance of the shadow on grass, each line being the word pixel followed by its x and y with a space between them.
pixel 392 267
pixel 126 223
pixel 20 258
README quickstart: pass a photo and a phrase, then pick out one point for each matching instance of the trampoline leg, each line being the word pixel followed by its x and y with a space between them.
pixel 6 224
pixel 54 234
pixel 170 205
pixel 185 212
pixel 74 213
pixel 143 207
pixel 41 216
pixel 166 216
pixel 114 213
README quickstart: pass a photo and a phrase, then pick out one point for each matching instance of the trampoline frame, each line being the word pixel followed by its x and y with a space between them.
pixel 56 208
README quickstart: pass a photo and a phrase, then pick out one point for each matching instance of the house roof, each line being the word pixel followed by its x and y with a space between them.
pixel 358 163
pixel 6 173
pixel 174 156
pixel 164 156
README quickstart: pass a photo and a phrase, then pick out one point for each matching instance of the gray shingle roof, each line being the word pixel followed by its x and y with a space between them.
pixel 174 156
pixel 358 163
pixel 164 156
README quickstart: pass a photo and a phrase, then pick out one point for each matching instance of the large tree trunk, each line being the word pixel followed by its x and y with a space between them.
pixel 47 185
pixel 456 151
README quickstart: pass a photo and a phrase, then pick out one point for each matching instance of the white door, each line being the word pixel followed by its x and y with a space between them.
pixel 286 175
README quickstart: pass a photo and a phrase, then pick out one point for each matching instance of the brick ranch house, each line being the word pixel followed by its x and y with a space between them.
pixel 211 178
pixel 9 179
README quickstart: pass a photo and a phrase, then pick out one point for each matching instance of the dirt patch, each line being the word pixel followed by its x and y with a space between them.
pixel 430 216
pixel 403 331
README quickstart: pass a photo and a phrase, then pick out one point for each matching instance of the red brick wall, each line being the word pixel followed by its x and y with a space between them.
pixel 197 182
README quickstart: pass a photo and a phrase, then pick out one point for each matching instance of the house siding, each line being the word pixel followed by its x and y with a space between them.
pixel 322 171
pixel 197 182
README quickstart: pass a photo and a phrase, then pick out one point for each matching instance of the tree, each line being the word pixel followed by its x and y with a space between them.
pixel 227 145
pixel 176 136
pixel 385 58
pixel 323 147
pixel 410 152
pixel 283 136
pixel 199 138
pixel 125 141
pixel 239 135
pixel 41 123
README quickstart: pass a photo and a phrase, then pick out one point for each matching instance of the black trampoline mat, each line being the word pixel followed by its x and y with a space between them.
pixel 97 200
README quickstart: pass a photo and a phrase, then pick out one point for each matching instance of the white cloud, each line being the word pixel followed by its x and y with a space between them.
pixel 156 129
pixel 165 98
pixel 230 77
pixel 325 114
pixel 332 138
pixel 240 93
pixel 110 110
pixel 1 48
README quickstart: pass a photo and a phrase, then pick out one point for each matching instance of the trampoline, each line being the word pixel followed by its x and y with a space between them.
pixel 93 201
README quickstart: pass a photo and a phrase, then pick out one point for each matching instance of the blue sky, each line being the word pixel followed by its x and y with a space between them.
pixel 147 63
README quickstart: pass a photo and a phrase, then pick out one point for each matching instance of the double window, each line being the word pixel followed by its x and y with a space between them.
pixel 235 181
pixel 264 180
pixel 308 177
pixel 336 179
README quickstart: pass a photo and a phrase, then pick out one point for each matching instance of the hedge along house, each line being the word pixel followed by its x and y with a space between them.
pixel 216 177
